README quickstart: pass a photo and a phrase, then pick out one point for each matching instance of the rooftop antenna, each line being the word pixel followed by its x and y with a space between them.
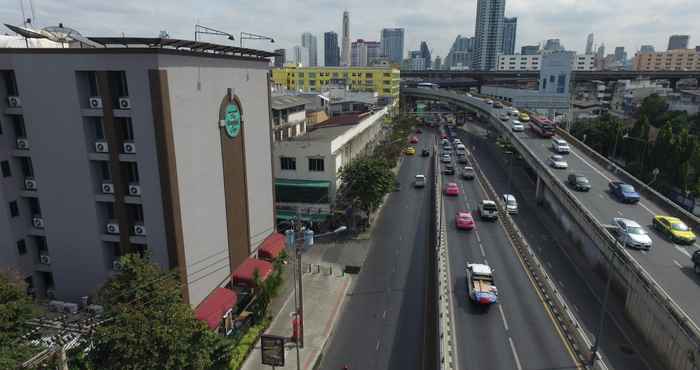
pixel 31 7
pixel 24 18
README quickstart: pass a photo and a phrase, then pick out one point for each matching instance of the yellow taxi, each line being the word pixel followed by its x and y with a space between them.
pixel 524 117
pixel 674 229
pixel 410 151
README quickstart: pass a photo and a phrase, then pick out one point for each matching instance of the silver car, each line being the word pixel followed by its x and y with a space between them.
pixel 517 126
pixel 558 162
pixel 445 158
pixel 631 234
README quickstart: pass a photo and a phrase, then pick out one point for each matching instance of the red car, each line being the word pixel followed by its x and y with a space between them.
pixel 464 220
pixel 414 140
pixel 451 189
pixel 443 136
pixel 419 131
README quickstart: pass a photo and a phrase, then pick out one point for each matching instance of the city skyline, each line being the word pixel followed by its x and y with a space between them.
pixel 567 21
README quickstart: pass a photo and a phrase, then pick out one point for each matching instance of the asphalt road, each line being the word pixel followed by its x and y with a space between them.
pixel 577 283
pixel 517 333
pixel 667 262
pixel 382 324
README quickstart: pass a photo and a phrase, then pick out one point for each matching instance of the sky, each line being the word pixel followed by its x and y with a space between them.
pixel 628 23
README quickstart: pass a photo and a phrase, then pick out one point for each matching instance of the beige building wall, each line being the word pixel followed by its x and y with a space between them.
pixel 672 60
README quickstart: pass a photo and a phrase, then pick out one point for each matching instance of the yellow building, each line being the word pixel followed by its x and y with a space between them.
pixel 383 80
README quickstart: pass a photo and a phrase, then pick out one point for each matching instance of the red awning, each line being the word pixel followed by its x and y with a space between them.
pixel 244 272
pixel 213 308
pixel 271 246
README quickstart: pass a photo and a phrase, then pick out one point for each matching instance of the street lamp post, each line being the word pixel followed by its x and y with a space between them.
pixel 251 36
pixel 199 29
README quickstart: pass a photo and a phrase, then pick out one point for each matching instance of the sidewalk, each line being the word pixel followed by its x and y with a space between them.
pixel 325 287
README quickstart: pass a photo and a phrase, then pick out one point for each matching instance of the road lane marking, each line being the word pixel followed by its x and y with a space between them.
pixel 680 249
pixel 645 207
pixel 503 317
pixel 619 213
pixel 589 165
pixel 549 264
pixel 483 253
pixel 486 262
pixel 376 348
pixel 515 354
pixel 678 264
pixel 478 238
pixel 384 315
pixel 601 196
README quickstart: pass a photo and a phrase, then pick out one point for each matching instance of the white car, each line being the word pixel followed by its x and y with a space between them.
pixel 631 234
pixel 456 142
pixel 510 203
pixel 517 126
pixel 488 210
pixel 503 117
pixel 445 158
pixel 560 146
pixel 558 162
pixel 489 102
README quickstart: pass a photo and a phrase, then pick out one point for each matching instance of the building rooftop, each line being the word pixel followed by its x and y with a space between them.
pixel 332 128
pixel 691 92
pixel 287 101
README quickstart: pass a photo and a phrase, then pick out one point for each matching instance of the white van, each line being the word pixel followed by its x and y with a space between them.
pixel 510 203
pixel 461 148
pixel 419 181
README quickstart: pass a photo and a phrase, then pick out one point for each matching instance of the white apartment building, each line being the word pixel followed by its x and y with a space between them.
pixel 519 62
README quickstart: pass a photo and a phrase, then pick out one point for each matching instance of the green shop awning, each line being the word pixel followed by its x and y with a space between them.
pixel 303 183
pixel 284 214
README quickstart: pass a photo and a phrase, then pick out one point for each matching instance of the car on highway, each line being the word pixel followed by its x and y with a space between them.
pixel 514 113
pixel 414 140
pixel 488 210
pixel 510 203
pixel 456 141
pixel 443 136
pixel 524 117
pixel 674 229
pixel 461 148
pixel 419 181
pixel 578 182
pixel 449 169
pixel 451 189
pixel 503 117
pixel 517 126
pixel 468 173
pixel 425 153
pixel 558 162
pixel 444 142
pixel 560 146
pixel 445 158
pixel 625 193
pixel 419 131
pixel 480 285
pixel 462 158
pixel 489 101
pixel 631 234
pixel 696 261
pixel 464 220
pixel 410 151
pixel 497 105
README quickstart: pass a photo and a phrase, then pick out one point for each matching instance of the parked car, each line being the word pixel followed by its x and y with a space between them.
pixel 558 162
pixel 488 210
pixel 464 220
pixel 449 169
pixel 674 229
pixel 468 173
pixel 425 153
pixel 517 126
pixel 560 146
pixel 623 192
pixel 451 189
pixel 510 203
pixel 419 181
pixel 631 234
pixel 579 182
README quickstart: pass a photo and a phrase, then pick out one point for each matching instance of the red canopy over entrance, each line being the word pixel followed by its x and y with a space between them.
pixel 271 246
pixel 213 308
pixel 244 272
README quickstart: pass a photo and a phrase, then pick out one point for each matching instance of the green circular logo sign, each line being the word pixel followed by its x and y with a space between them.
pixel 232 120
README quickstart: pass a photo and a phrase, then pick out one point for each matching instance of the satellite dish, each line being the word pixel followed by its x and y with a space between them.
pixel 58 34
pixel 26 32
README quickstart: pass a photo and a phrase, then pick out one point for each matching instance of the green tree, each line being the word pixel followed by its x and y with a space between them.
pixel 148 326
pixel 661 153
pixel 15 309
pixel 366 181
pixel 654 107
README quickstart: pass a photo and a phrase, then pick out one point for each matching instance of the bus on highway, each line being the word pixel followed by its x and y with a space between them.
pixel 542 126
pixel 427 85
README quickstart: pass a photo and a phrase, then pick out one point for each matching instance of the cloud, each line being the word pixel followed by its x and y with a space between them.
pixel 628 23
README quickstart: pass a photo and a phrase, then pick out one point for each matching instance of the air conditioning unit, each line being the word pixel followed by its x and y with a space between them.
pixel 139 230
pixel 14 101
pixel 124 103
pixel 101 147
pixel 134 190
pixel 30 184
pixel 116 265
pixel 107 188
pixel 38 222
pixel 129 148
pixel 22 144
pixel 95 102
pixel 112 228
pixel 45 259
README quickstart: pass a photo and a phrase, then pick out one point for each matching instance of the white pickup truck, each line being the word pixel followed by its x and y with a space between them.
pixel 480 286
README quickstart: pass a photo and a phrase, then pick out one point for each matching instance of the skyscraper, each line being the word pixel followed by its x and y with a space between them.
pixel 461 53
pixel 589 44
pixel 437 64
pixel 331 51
pixel 620 54
pixel 308 40
pixel 364 52
pixel 281 58
pixel 392 44
pixel 300 55
pixel 488 33
pixel 647 49
pixel 678 42
pixel 345 51
pixel 553 45
pixel 510 26
pixel 425 54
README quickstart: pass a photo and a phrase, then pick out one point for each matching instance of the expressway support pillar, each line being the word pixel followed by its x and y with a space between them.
pixel 538 190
